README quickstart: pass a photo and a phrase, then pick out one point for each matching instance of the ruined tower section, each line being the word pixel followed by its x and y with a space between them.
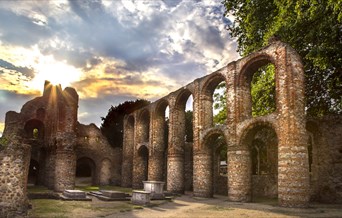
pixel 14 162
pixel 65 139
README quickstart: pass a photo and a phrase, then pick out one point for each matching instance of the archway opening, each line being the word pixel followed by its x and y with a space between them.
pixel 215 101
pixel 216 143
pixel 33 173
pixel 257 88
pixel 85 172
pixel 145 126
pixel 184 135
pixel 262 142
pixel 34 129
pixel 143 162
pixel 161 140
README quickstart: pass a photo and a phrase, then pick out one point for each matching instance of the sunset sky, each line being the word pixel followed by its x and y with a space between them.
pixel 109 51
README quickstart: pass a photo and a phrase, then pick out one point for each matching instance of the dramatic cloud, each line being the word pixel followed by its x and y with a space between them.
pixel 110 51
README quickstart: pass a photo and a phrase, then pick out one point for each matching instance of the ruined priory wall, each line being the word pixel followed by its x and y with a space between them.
pixel 92 144
pixel 326 168
pixel 14 162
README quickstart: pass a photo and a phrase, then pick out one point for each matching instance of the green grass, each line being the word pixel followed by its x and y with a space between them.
pixel 37 189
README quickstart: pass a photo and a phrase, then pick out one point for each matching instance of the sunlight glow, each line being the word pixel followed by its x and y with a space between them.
pixel 54 71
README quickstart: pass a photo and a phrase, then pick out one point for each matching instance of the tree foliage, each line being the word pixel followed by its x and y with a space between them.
pixel 112 124
pixel 312 27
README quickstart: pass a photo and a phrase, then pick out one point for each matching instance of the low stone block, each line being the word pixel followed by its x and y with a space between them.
pixel 75 194
pixel 141 197
pixel 113 194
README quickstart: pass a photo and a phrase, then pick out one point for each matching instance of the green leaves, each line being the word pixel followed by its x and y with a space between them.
pixel 312 27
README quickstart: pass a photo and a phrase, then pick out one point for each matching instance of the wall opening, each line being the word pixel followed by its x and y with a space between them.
pixel 33 173
pixel 85 172
pixel 143 162
pixel 217 146
pixel 262 142
pixel 34 129
pixel 163 120
pixel 257 95
pixel 184 130
pixel 215 101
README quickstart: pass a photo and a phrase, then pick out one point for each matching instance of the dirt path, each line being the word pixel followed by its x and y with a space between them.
pixel 186 206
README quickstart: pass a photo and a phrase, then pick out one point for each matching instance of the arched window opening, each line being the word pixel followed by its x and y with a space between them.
pixel 263 146
pixel 189 135
pixel 220 104
pixel 145 126
pixel 214 101
pixel 217 146
pixel 34 129
pixel 143 162
pixel 263 91
pixel 85 172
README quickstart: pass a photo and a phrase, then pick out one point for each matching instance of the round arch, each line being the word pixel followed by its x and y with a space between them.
pixel 86 171
pixel 211 83
pixel 182 98
pixel 260 140
pixel 34 129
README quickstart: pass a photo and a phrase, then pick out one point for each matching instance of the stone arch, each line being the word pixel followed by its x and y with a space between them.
pixel 34 129
pixel 128 151
pixel 143 126
pixel 244 82
pixel 207 100
pixel 204 163
pixel 176 149
pixel 141 160
pixel 259 142
pixel 106 171
pixel 86 171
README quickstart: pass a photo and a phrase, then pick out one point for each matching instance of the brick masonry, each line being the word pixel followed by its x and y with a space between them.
pixel 290 182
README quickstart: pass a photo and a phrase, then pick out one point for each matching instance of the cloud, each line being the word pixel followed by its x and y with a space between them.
pixel 122 49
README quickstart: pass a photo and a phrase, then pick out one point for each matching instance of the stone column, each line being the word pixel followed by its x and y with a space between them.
pixel 175 161
pixel 239 174
pixel 156 161
pixel 65 170
pixel 293 169
pixel 203 175
pixel 127 152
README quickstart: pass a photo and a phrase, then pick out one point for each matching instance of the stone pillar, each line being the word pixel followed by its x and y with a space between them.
pixel 175 173
pixel 175 161
pixel 65 170
pixel 14 162
pixel 293 169
pixel 105 172
pixel 127 152
pixel 239 175
pixel 203 175
pixel 139 169
pixel 156 161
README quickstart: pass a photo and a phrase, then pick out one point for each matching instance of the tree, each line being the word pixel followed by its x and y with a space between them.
pixel 312 28
pixel 189 135
pixel 112 124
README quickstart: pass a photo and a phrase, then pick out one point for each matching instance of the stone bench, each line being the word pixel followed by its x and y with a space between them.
pixel 141 197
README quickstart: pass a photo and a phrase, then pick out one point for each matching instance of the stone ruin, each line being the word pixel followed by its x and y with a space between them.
pixel 282 155
pixel 45 145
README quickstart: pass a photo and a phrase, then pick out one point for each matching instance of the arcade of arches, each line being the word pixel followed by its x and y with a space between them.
pixel 247 157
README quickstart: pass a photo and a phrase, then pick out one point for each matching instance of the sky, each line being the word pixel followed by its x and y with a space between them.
pixel 109 51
